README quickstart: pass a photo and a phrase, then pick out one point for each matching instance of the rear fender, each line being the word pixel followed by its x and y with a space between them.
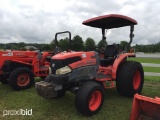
pixel 120 58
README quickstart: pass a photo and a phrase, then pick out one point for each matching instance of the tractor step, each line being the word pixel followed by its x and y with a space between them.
pixel 103 77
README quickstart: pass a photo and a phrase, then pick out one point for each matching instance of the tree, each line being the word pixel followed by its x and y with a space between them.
pixel 45 47
pixel 31 49
pixel 102 44
pixel 90 44
pixel 64 44
pixel 21 44
pixel 52 44
pixel 123 45
pixel 77 43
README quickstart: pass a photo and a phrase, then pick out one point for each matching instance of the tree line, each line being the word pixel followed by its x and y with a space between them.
pixel 78 44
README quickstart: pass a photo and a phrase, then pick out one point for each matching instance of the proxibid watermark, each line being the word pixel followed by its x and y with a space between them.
pixel 17 112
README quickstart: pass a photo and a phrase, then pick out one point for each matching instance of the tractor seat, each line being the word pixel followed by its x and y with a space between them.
pixel 110 54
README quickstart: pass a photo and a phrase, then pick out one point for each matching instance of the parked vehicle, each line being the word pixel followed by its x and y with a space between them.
pixel 18 68
pixel 87 75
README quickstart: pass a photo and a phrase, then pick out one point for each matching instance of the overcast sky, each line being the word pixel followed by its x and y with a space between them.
pixel 37 21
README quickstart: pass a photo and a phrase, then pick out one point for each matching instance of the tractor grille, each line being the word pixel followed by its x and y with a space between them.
pixel 56 64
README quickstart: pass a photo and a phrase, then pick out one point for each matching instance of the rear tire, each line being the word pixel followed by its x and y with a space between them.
pixel 130 78
pixel 21 78
pixel 89 98
pixel 3 80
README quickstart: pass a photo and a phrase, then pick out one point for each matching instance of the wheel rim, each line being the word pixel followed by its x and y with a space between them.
pixel 136 80
pixel 95 100
pixel 23 79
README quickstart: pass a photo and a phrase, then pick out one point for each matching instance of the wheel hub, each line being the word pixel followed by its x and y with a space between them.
pixel 95 100
pixel 23 79
pixel 136 80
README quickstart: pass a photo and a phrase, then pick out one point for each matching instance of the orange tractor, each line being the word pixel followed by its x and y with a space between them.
pixel 18 68
pixel 87 75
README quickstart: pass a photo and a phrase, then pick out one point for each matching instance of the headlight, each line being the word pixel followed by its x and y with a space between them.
pixel 63 70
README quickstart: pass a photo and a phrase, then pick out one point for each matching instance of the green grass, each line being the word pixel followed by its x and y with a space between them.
pixel 152 78
pixel 146 60
pixel 151 69
pixel 114 107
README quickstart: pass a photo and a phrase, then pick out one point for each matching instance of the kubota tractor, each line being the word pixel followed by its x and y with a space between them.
pixel 87 75
pixel 18 68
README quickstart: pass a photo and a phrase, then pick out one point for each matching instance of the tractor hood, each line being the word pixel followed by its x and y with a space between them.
pixel 110 21
pixel 65 55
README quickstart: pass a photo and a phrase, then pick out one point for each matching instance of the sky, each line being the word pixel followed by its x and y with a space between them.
pixel 37 21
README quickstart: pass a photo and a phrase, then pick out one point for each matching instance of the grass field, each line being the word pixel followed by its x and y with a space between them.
pixel 151 69
pixel 146 60
pixel 114 107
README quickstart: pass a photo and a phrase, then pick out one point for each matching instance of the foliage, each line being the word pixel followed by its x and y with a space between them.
pixel 90 44
pixel 123 45
pixel 22 45
pixel 77 43
pixel 152 48
pixel 52 44
pixel 101 44
pixel 64 44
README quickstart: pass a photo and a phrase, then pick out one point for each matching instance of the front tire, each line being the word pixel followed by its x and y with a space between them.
pixel 130 78
pixel 21 78
pixel 89 98
pixel 3 80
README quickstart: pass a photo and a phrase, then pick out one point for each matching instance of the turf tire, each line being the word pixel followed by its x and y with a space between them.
pixel 126 77
pixel 3 80
pixel 83 98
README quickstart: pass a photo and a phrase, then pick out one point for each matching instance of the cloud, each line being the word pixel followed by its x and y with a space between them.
pixel 37 21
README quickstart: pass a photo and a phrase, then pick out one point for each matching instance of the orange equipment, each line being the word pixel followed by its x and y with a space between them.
pixel 87 74
pixel 18 68
pixel 145 108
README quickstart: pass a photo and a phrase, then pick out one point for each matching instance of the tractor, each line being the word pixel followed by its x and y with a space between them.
pixel 88 75
pixel 18 68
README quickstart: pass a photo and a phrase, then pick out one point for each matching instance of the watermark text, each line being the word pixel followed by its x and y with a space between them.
pixel 17 112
